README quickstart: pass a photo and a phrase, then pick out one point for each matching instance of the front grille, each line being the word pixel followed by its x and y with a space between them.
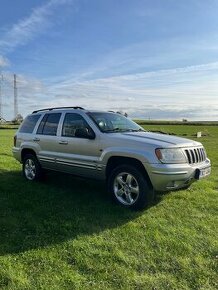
pixel 195 155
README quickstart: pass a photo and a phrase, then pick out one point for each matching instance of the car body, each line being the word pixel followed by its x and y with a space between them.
pixel 94 144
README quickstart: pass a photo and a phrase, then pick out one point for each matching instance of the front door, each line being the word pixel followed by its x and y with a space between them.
pixel 78 156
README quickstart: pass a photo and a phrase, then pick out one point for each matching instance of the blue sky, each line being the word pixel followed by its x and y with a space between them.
pixel 151 58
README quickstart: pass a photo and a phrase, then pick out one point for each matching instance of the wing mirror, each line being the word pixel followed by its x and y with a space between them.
pixel 87 133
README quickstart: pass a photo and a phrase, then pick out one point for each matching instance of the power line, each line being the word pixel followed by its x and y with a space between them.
pixel 1 110
pixel 11 83
pixel 15 97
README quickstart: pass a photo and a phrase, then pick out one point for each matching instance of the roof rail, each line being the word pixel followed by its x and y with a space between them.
pixel 57 108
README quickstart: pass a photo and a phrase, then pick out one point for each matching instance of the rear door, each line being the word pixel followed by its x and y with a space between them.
pixel 46 137
pixel 77 155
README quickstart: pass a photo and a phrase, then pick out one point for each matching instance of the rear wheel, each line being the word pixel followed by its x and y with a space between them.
pixel 31 168
pixel 129 187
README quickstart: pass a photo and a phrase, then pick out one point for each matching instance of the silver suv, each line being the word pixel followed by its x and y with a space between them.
pixel 111 147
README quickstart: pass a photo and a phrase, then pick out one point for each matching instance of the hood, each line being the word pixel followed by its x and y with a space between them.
pixel 159 139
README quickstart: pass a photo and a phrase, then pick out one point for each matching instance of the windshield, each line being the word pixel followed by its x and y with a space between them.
pixel 111 122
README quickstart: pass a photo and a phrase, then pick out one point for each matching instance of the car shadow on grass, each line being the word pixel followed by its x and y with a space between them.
pixel 62 207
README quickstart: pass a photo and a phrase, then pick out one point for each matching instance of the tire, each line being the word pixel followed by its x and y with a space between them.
pixel 129 187
pixel 31 168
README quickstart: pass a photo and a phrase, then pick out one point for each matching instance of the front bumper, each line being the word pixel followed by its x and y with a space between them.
pixel 17 153
pixel 165 177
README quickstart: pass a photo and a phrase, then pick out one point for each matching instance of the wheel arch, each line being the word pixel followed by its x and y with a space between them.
pixel 115 161
pixel 26 151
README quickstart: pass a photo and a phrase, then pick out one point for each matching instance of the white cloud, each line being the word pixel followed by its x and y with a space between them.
pixel 29 27
pixel 28 91
pixel 4 61
pixel 198 80
pixel 189 92
pixel 173 93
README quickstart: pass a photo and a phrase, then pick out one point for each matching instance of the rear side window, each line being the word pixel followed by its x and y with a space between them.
pixel 29 123
pixel 49 124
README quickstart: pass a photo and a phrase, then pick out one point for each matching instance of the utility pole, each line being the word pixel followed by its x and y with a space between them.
pixel 1 81
pixel 15 97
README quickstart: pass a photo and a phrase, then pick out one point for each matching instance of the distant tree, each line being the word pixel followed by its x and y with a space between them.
pixel 18 119
pixel 2 120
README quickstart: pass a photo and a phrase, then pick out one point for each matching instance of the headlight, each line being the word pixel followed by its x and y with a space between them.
pixel 171 155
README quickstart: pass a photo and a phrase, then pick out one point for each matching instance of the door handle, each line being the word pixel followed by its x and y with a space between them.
pixel 63 142
pixel 36 139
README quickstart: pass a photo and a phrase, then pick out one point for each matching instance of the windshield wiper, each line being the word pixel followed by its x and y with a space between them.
pixel 113 130
pixel 135 130
pixel 123 130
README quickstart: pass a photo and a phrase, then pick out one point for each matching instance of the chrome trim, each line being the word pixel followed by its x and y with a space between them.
pixel 195 155
pixel 170 173
pixel 47 159
pixel 76 164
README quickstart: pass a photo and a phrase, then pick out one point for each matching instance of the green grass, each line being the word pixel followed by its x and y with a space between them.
pixel 187 123
pixel 8 126
pixel 64 233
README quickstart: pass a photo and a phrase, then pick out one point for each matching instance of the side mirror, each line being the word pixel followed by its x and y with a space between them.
pixel 85 133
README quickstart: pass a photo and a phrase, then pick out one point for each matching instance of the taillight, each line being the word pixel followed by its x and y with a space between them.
pixel 15 140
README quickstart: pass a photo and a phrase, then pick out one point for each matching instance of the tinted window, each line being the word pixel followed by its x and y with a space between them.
pixel 42 124
pixel 29 123
pixel 72 122
pixel 49 124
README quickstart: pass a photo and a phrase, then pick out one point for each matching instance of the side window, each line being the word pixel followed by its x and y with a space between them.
pixel 72 122
pixel 49 124
pixel 29 123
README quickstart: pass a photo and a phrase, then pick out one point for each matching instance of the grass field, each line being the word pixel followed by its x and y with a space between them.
pixel 64 233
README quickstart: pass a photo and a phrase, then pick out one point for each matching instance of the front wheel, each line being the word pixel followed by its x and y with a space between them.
pixel 129 187
pixel 31 168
